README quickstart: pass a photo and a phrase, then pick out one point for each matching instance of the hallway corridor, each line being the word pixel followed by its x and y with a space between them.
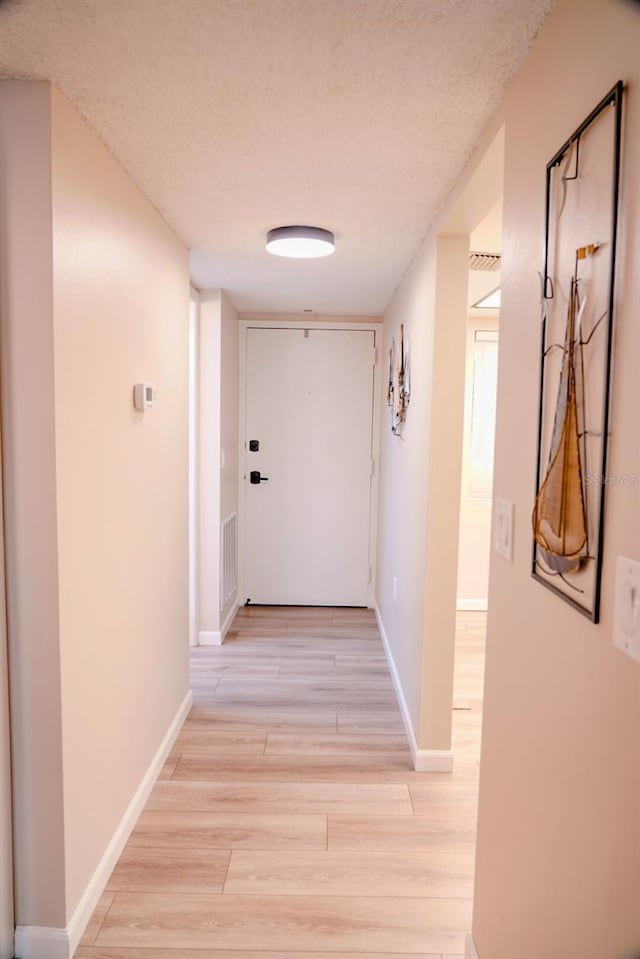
pixel 288 821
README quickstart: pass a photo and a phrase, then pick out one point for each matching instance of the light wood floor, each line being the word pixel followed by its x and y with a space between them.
pixel 288 821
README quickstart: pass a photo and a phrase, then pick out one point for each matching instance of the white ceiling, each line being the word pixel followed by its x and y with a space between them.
pixel 235 116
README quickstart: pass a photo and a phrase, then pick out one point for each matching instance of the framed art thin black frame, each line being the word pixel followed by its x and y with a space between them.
pixel 562 586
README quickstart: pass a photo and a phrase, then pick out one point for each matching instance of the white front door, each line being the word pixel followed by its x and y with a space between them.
pixel 309 409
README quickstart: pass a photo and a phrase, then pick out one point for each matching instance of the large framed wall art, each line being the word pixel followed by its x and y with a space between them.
pixel 575 357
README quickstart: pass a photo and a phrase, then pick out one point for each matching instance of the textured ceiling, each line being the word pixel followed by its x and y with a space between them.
pixel 235 116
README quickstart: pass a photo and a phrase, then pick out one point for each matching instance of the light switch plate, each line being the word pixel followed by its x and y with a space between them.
pixel 503 512
pixel 626 627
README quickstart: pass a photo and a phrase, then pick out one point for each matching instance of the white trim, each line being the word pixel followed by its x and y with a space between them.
pixel 424 760
pixel 43 942
pixel 469 605
pixel 194 466
pixel 378 376
pixel 231 615
pixel 470 950
pixel 433 761
pixel 215 637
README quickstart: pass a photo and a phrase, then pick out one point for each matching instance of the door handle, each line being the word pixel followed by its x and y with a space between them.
pixel 255 478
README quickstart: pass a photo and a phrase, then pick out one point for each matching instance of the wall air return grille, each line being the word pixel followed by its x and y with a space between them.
pixel 488 262
pixel 229 560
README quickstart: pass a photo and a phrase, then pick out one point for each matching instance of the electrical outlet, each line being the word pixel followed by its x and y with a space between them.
pixel 626 627
pixel 503 528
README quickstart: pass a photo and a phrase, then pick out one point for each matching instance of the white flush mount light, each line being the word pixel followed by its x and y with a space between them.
pixel 300 242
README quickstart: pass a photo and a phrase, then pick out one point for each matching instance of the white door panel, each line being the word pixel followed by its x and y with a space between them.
pixel 310 407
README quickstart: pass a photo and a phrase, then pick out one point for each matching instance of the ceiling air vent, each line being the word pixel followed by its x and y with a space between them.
pixel 484 261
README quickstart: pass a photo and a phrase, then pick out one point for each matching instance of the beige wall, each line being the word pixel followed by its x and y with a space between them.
pixel 120 316
pixel 419 504
pixel 404 464
pixel 559 830
pixel 446 382
pixel 98 689
pixel 26 288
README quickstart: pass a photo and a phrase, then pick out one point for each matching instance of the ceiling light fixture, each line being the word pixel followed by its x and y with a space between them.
pixel 301 242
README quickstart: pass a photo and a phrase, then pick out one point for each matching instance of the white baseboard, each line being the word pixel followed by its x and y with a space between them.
pixel 424 760
pixel 215 637
pixel 42 942
pixel 470 951
pixel 231 615
pixel 433 760
pixel 470 605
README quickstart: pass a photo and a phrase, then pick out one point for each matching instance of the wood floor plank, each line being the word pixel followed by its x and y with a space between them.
pixel 349 873
pixel 235 719
pixel 446 830
pixel 220 741
pixel 108 952
pixel 262 624
pixel 201 682
pixel 268 655
pixel 169 767
pixel 373 678
pixel 266 797
pixel 324 768
pixel 341 640
pixel 335 695
pixel 298 646
pixel 286 923
pixel 233 670
pixel 353 722
pixel 99 914
pixel 230 830
pixel 279 744
pixel 184 870
pixel 364 632
pixel 428 798
pixel 369 665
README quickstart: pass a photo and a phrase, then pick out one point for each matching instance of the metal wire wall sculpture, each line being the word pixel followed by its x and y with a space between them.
pixel 399 385
pixel 575 361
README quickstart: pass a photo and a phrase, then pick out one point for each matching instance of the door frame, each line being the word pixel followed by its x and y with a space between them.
pixel 312 323
pixel 7 917
pixel 194 467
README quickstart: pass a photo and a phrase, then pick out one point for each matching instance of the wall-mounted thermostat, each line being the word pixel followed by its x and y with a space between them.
pixel 144 396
